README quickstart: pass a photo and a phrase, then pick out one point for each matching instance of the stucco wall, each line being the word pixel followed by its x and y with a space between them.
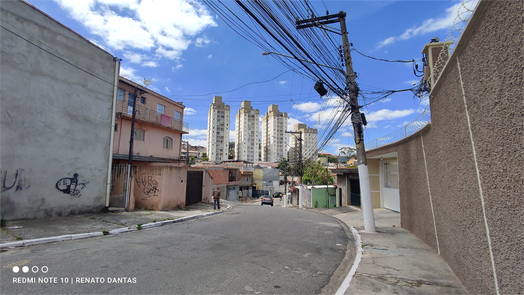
pixel 466 198
pixel 153 143
pixel 55 117
pixel 159 187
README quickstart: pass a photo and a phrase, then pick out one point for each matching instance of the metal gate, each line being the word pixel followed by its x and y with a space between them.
pixel 194 187
pixel 118 185
pixel 355 192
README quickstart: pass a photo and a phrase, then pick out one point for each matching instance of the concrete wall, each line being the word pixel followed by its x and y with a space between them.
pixel 465 199
pixel 159 187
pixel 55 117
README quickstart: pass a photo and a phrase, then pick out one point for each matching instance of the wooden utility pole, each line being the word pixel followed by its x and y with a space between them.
pixel 356 116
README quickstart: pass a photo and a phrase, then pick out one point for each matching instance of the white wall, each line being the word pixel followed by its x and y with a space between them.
pixel 55 118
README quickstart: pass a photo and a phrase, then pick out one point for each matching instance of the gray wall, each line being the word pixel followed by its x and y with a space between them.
pixel 55 117
pixel 478 223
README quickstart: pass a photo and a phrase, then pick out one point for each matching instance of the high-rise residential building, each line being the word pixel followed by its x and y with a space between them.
pixel 218 130
pixel 247 141
pixel 274 125
pixel 309 143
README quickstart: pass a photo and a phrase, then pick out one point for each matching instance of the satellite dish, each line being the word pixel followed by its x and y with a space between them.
pixel 147 82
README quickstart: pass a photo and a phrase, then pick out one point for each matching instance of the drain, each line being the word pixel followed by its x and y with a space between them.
pixel 276 286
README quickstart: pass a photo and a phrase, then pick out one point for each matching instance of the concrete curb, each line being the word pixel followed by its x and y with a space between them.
pixel 345 284
pixel 117 231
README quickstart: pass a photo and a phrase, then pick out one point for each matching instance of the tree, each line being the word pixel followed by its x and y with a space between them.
pixel 204 157
pixel 191 160
pixel 231 154
pixel 315 173
pixel 332 159
pixel 285 169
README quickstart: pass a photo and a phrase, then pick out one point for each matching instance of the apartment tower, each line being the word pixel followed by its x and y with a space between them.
pixel 218 130
pixel 309 143
pixel 247 141
pixel 274 126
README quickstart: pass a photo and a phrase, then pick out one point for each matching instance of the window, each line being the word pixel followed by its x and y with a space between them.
pixel 140 134
pixel 177 115
pixel 116 127
pixel 160 108
pixel 168 143
pixel 120 94
pixel 142 100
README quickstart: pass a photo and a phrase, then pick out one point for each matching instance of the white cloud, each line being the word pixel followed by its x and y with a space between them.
pixel 435 24
pixel 231 135
pixel 190 111
pixel 197 142
pixel 386 42
pixel 282 82
pixel 386 114
pixel 133 24
pixel 152 64
pixel 291 123
pixel 210 56
pixel 197 132
pixel 133 57
pixel 167 89
pixel 308 107
pixel 347 134
pixel 177 67
pixel 388 99
pixel 129 73
pixel 202 41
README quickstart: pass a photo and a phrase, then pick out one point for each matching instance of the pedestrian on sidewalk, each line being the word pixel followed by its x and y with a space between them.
pixel 216 198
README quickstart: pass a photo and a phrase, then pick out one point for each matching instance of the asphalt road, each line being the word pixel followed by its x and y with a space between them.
pixel 247 250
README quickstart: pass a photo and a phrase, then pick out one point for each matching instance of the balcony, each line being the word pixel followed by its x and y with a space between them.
pixel 150 116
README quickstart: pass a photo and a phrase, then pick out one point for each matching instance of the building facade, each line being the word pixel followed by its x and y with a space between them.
pixel 274 125
pixel 309 143
pixel 158 129
pixel 247 141
pixel 466 201
pixel 218 130
pixel 56 117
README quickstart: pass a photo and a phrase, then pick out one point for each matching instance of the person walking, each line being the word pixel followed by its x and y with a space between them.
pixel 216 198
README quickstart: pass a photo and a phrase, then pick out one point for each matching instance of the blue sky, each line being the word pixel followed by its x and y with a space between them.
pixel 190 55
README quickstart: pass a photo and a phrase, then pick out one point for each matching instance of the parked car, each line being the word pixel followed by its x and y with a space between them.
pixel 266 200
pixel 277 195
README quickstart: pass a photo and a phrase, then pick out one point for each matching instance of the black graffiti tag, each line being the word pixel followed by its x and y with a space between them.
pixel 149 185
pixel 71 186
pixel 19 183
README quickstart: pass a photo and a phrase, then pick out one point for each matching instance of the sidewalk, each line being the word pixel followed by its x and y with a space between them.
pixel 25 232
pixel 394 261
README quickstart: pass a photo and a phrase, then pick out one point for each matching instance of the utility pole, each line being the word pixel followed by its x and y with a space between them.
pixel 300 170
pixel 356 116
pixel 130 158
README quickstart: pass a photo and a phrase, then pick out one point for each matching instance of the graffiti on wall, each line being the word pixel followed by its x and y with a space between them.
pixel 16 180
pixel 71 186
pixel 148 184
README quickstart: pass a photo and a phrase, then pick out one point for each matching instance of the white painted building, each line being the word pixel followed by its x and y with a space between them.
pixel 247 141
pixel 274 138
pixel 218 130
pixel 309 143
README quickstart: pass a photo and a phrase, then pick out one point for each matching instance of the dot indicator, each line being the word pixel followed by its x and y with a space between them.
pixel 25 269
pixel 16 269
